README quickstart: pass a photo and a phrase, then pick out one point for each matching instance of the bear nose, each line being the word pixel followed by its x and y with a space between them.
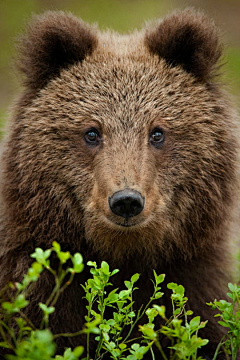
pixel 126 203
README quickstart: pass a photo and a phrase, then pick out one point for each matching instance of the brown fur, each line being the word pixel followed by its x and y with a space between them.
pixel 55 187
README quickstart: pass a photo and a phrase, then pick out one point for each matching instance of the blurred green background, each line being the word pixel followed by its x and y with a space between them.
pixel 121 15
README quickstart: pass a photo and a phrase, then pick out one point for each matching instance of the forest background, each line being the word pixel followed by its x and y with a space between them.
pixel 120 15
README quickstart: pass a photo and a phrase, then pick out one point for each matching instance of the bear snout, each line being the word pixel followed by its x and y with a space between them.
pixel 126 203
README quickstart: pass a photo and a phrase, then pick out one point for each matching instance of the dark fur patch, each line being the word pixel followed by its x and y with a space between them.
pixel 53 41
pixel 188 39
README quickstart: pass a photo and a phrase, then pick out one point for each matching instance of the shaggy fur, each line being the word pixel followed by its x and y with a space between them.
pixel 187 40
pixel 54 186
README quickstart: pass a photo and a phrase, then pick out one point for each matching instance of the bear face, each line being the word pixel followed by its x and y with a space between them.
pixel 125 90
pixel 123 148
pixel 124 105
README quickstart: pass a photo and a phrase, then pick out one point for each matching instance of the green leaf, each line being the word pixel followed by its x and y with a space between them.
pixel 223 324
pixel 45 309
pixel 104 327
pixel 158 278
pixel 194 323
pixel 124 294
pixel 105 336
pixel 5 345
pixel 77 261
pixel 128 284
pixel 158 295
pixel 92 263
pixel 135 277
pixel 151 314
pixel 233 287
pixel 56 246
pixel 33 273
pixel 41 256
pixel 180 290
pixel 135 346
pixel 131 314
pixel 204 342
pixel 131 357
pixel 19 303
pixel 114 272
pixel 148 332
pixel 177 311
pixel 69 355
pixel 6 305
pixel 161 310
pixel 115 353
pixel 20 322
pixel 105 267
pixel 112 297
pixel 111 322
pixel 63 256
pixel 172 286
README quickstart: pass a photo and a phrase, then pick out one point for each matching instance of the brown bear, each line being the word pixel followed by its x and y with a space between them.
pixel 122 147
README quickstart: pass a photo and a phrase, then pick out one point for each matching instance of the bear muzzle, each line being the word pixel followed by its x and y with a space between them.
pixel 126 203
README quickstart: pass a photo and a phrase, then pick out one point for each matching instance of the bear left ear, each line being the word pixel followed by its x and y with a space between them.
pixel 53 41
pixel 188 39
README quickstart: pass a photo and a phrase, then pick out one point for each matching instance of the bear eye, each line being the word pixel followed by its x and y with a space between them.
pixel 92 137
pixel 157 137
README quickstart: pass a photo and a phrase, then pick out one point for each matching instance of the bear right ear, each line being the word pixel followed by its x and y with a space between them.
pixel 53 41
pixel 187 39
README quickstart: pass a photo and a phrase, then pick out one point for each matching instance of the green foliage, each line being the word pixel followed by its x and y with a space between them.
pixel 18 333
pixel 112 335
pixel 229 312
pixel 181 332
pixel 39 345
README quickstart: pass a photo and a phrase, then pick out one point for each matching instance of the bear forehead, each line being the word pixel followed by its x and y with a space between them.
pixel 127 89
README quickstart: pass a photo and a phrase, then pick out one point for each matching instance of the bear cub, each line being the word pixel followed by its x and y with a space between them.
pixel 124 148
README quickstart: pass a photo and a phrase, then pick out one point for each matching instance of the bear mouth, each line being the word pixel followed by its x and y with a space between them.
pixel 126 224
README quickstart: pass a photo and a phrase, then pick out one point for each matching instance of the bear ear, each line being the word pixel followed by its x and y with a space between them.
pixel 53 41
pixel 188 39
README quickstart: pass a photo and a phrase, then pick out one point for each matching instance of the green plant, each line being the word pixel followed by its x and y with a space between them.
pixel 17 331
pixel 229 312
pixel 184 338
pixel 113 334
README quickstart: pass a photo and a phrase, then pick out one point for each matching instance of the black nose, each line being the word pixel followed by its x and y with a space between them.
pixel 126 203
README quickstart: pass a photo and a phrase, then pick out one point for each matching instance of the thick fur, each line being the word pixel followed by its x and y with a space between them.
pixel 189 40
pixel 55 187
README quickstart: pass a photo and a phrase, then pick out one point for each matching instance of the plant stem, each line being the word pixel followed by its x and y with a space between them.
pixel 221 343
pixel 138 338
pixel 68 334
pixel 101 300
pixel 99 346
pixel 158 345
pixel 28 320
pixel 58 281
pixel 9 331
pixel 88 334
pixel 2 332
pixel 153 356
pixel 133 325
pixel 61 289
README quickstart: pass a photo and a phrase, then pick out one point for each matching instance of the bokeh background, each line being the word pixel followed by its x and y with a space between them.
pixel 120 15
